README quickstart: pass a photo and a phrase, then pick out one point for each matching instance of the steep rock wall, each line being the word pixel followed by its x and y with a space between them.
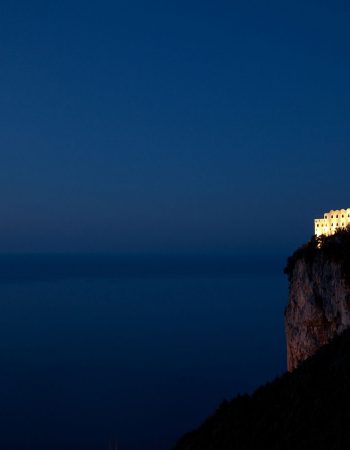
pixel 318 308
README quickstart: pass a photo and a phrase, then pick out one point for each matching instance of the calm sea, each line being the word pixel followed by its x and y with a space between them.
pixel 102 352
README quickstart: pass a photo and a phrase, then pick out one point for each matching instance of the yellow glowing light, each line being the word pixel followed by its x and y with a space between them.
pixel 331 221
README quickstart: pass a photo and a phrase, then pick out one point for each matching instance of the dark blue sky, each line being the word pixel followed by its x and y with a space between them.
pixel 171 126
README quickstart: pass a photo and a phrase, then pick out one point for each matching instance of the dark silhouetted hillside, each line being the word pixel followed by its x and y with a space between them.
pixel 308 408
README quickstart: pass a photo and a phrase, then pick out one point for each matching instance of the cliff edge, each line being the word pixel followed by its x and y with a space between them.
pixel 319 295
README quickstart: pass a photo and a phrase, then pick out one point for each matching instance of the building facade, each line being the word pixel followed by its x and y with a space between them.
pixel 339 218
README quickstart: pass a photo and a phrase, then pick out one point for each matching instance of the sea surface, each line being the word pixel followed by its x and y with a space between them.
pixel 99 352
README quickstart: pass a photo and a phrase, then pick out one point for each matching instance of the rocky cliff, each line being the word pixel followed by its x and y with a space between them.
pixel 309 407
pixel 319 295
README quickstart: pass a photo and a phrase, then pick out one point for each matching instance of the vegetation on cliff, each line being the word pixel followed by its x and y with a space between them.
pixel 334 248
pixel 305 409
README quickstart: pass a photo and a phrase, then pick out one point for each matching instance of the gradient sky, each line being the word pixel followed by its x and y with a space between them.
pixel 163 126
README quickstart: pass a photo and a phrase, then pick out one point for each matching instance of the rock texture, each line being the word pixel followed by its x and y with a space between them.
pixel 318 307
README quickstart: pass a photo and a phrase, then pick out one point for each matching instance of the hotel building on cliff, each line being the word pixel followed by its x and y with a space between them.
pixel 332 220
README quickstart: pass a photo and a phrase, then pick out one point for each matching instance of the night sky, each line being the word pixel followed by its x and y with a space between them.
pixel 171 126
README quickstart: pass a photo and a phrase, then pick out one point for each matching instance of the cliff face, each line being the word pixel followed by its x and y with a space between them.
pixel 309 407
pixel 319 304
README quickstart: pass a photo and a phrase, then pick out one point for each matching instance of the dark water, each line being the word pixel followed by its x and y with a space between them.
pixel 136 351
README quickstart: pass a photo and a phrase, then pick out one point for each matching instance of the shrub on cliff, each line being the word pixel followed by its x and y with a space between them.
pixel 332 248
